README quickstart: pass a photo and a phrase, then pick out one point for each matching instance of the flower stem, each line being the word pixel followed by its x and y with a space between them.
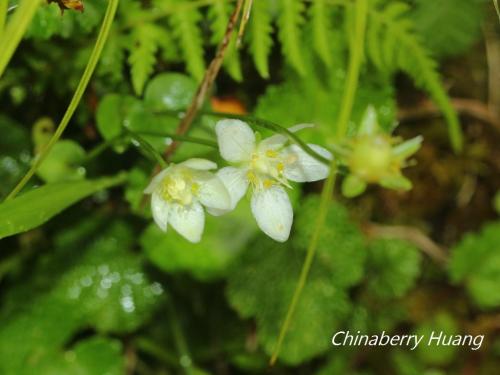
pixel 355 59
pixel 11 36
pixel 3 14
pixel 77 96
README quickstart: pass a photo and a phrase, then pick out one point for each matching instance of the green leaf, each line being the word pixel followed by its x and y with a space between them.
pixel 63 163
pixel 392 268
pixel 475 261
pixel 101 286
pixel 448 27
pixel 435 354
pixel 170 91
pixel 112 113
pixel 261 285
pixel 223 239
pixel 321 16
pixel 37 206
pixel 15 153
pixel 340 245
pixel 261 41
pixel 187 32
pixel 143 48
pixel 290 18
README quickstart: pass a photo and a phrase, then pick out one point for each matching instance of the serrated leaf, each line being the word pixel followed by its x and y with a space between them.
pixel 261 286
pixel 340 245
pixel 260 31
pixel 475 261
pixel 392 268
pixel 37 206
pixel 290 19
pixel 143 47
pixel 320 18
pixel 187 32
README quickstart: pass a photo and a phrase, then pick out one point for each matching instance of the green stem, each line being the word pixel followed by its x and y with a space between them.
pixel 355 59
pixel 82 85
pixel 185 359
pixel 11 36
pixel 495 3
pixel 144 145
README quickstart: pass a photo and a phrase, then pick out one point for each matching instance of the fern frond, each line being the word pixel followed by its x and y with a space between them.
pixel 261 41
pixel 186 29
pixel 290 19
pixel 143 48
pixel 321 26
pixel 218 15
pixel 113 57
pixel 393 44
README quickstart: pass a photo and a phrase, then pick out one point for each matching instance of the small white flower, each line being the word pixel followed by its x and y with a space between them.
pixel 266 167
pixel 179 192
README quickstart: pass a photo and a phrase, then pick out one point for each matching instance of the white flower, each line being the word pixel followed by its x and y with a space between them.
pixel 266 167
pixel 179 192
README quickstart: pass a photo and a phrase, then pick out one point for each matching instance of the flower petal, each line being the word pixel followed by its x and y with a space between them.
pixel 236 140
pixel 156 180
pixel 278 140
pixel 199 164
pixel 302 167
pixel 235 181
pixel 212 192
pixel 160 209
pixel 272 209
pixel 188 221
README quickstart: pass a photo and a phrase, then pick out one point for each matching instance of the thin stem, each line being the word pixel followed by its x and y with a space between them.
pixel 11 36
pixel 82 85
pixel 355 59
pixel 144 145
pixel 497 8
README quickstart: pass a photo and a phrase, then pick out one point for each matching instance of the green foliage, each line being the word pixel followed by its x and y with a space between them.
pixel 437 354
pixel 475 261
pixel 449 27
pixel 261 286
pixel 101 286
pixel 393 45
pixel 63 163
pixel 223 240
pixel 143 47
pixel 340 245
pixel 261 40
pixel 38 206
pixel 15 153
pixel 394 267
pixel 290 19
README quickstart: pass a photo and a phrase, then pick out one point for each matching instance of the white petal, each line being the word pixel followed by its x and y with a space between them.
pixel 187 221
pixel 160 209
pixel 302 167
pixel 278 140
pixel 213 193
pixel 156 180
pixel 236 140
pixel 200 164
pixel 235 181
pixel 272 209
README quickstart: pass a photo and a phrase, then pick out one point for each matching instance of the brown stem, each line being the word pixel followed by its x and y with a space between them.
pixel 466 107
pixel 410 234
pixel 208 80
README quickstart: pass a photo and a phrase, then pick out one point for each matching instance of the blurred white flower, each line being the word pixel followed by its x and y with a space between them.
pixel 266 167
pixel 179 192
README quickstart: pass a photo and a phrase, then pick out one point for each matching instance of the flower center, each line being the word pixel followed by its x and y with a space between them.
pixel 266 169
pixel 179 188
